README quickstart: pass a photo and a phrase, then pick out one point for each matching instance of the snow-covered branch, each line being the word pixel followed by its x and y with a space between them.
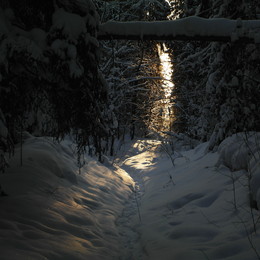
pixel 190 28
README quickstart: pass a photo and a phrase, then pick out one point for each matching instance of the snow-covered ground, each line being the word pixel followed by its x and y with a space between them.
pixel 52 212
pixel 187 210
pixel 142 207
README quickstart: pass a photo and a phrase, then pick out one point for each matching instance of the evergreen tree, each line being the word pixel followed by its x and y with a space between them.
pixel 219 97
pixel 127 66
pixel 50 82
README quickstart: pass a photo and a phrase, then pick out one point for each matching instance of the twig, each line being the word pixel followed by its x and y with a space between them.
pixel 137 206
pixel 250 239
pixel 202 251
pixel 209 221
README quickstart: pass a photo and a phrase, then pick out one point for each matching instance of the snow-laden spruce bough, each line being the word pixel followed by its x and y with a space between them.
pixel 53 212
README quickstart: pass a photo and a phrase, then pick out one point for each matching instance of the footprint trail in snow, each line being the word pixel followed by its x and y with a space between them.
pixel 131 219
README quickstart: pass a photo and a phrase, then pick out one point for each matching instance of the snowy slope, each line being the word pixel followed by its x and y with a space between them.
pixel 52 212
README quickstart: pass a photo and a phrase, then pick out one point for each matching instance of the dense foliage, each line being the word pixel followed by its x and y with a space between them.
pixel 49 78
pixel 216 84
pixel 132 69
pixel 51 84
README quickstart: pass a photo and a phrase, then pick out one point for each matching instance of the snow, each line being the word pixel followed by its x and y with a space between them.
pixel 64 50
pixel 72 25
pixel 52 212
pixel 3 129
pixel 39 36
pixel 186 27
pixel 257 37
pixel 235 81
pixel 241 152
pixel 68 52
pixel 76 70
pixel 4 22
pixel 193 216
pixel 72 51
pixel 139 206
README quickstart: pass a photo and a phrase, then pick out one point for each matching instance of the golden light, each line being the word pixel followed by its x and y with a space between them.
pixel 166 73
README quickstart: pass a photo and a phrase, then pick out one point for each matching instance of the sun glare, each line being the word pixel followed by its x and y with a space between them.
pixel 166 73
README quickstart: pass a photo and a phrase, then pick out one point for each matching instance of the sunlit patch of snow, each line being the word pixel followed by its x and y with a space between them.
pixel 145 208
pixel 187 211
pixel 52 212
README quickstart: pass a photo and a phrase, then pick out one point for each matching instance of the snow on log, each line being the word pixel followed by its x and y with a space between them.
pixel 190 28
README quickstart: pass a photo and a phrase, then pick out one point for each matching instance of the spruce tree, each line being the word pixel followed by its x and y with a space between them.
pixel 50 81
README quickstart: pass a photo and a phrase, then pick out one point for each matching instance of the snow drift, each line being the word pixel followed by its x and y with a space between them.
pixel 52 212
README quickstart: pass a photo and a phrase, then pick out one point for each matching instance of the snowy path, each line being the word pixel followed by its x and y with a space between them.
pixel 187 210
pixel 130 220
pixel 129 236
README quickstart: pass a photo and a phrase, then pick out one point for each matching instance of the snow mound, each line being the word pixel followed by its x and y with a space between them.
pixel 237 151
pixel 53 212
pixel 72 25
pixel 242 151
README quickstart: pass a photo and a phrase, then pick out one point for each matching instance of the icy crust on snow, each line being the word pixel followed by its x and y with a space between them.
pixel 190 26
pixel 53 212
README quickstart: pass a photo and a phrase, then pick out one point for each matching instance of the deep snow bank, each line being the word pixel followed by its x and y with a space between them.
pixel 52 212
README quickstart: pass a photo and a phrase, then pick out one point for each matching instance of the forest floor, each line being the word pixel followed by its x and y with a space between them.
pixel 142 204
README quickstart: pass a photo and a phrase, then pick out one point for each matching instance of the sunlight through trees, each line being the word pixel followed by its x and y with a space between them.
pixel 166 72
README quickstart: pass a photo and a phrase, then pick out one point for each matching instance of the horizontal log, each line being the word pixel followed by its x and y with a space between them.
pixel 186 29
